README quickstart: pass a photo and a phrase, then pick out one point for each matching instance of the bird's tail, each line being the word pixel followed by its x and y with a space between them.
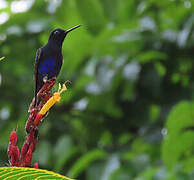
pixel 35 93
pixel 34 102
pixel 38 86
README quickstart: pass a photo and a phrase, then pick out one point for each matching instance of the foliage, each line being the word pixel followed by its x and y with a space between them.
pixel 178 145
pixel 130 63
pixel 28 173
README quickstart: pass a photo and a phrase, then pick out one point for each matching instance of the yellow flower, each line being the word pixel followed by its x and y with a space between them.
pixel 55 98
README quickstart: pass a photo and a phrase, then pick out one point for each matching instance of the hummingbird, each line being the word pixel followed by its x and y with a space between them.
pixel 49 58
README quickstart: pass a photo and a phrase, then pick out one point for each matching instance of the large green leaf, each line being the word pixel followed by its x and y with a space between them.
pixel 28 173
pixel 178 145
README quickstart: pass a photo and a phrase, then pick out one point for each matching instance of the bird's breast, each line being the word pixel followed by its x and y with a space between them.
pixel 48 68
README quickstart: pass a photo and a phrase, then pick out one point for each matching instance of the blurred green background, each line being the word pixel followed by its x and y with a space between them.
pixel 129 112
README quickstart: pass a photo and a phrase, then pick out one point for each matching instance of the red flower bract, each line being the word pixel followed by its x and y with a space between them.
pixel 24 159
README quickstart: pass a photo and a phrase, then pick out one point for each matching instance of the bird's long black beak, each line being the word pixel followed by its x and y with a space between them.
pixel 69 30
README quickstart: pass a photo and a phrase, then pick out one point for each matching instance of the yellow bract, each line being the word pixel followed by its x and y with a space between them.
pixel 55 98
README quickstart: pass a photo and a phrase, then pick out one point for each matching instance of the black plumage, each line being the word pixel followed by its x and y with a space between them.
pixel 49 58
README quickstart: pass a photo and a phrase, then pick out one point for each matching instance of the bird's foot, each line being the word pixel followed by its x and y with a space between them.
pixel 45 79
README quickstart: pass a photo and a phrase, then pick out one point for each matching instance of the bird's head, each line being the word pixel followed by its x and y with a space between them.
pixel 58 35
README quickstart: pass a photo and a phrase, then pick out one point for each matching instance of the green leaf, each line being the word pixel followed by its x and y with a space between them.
pixel 64 149
pixel 151 55
pixel 160 69
pixel 154 112
pixel 43 153
pixel 85 161
pixel 148 174
pixel 28 173
pixel 178 145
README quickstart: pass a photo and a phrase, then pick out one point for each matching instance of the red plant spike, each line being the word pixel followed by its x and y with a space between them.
pixel 36 165
pixel 25 158
pixel 13 150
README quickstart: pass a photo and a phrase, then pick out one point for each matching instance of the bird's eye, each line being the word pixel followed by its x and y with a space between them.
pixel 56 32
